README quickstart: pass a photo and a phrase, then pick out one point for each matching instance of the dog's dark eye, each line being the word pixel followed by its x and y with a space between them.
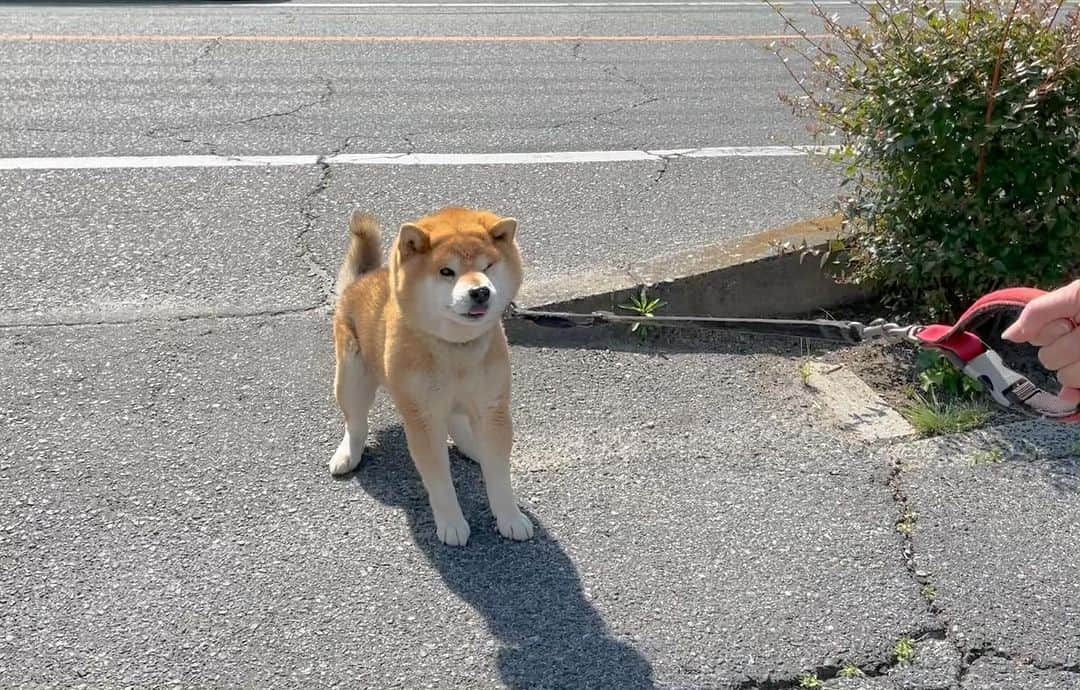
pixel 488 268
pixel 447 272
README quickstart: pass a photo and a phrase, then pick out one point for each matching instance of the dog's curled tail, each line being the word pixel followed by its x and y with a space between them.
pixel 365 250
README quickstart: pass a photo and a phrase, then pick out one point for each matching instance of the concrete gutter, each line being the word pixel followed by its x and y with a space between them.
pixel 747 278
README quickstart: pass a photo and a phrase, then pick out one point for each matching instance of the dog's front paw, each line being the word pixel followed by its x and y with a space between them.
pixel 452 531
pixel 344 460
pixel 515 526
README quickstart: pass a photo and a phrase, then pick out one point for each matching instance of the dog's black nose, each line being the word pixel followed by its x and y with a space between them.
pixel 480 295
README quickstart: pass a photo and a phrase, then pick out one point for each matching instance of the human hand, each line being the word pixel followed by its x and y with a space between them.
pixel 1050 323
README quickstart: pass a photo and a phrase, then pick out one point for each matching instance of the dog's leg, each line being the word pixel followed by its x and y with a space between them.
pixel 355 390
pixel 461 432
pixel 427 445
pixel 492 442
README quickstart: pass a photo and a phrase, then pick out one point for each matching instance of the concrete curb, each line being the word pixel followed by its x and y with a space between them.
pixel 744 278
pixel 857 408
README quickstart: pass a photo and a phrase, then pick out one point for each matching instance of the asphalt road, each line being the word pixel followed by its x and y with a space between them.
pixel 145 89
pixel 316 95
pixel 170 520
pixel 166 517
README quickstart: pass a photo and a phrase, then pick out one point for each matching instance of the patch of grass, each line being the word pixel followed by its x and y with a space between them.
pixel 906 524
pixel 851 671
pixel 644 307
pixel 928 592
pixel 904 650
pixel 988 457
pixel 931 417
pixel 806 370
pixel 810 681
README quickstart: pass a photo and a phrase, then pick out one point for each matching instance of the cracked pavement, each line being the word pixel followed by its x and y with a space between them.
pixel 166 517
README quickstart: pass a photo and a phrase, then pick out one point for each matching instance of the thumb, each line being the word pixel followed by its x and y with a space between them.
pixel 1063 303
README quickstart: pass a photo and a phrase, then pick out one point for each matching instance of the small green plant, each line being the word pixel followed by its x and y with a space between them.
pixel 851 671
pixel 810 681
pixel 906 524
pixel 988 457
pixel 904 650
pixel 645 307
pixel 936 373
pixel 928 592
pixel 933 418
pixel 806 370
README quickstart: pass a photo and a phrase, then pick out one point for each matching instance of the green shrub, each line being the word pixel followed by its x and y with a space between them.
pixel 960 131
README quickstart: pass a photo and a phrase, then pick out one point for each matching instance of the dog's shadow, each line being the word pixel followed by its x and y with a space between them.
pixel 529 593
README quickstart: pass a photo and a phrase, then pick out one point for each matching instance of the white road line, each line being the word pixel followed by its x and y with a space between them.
pixel 99 162
pixel 538 158
pixel 497 5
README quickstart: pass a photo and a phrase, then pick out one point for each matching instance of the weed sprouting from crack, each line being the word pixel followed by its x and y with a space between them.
pixel 904 651
pixel 850 671
pixel 906 524
pixel 646 307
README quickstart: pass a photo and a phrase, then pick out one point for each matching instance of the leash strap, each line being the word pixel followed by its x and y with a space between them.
pixel 972 356
pixel 849 332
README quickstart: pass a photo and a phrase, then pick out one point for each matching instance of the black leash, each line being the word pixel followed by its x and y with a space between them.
pixel 850 332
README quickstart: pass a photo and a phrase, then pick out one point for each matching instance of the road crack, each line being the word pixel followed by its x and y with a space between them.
pixel 906 523
pixel 989 652
pixel 322 99
pixel 311 216
pixel 664 162
pixel 178 317
pixel 205 51
pixel 646 95
pixel 171 132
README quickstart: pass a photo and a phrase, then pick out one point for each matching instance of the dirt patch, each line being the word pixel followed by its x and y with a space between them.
pixel 888 369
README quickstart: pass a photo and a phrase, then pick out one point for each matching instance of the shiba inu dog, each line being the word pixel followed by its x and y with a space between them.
pixel 428 327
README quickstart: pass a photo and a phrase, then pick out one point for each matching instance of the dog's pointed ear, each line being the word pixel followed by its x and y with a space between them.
pixel 412 239
pixel 504 230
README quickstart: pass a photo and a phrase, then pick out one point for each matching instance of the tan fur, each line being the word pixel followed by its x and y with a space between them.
pixel 364 252
pixel 416 332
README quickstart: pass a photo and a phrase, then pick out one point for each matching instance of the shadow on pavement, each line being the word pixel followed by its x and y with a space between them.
pixel 660 341
pixel 529 593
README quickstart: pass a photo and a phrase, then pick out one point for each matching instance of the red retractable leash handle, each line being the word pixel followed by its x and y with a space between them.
pixel 970 354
